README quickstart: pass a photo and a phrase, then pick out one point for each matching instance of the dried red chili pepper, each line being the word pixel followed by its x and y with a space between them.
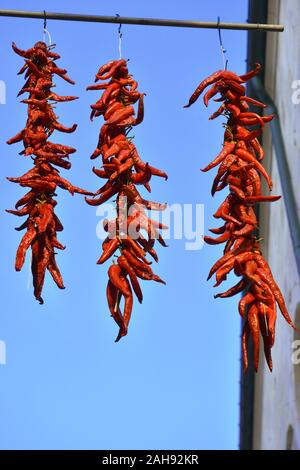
pixel 43 179
pixel 124 170
pixel 240 170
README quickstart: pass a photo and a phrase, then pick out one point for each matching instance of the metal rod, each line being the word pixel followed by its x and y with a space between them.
pixel 283 169
pixel 140 21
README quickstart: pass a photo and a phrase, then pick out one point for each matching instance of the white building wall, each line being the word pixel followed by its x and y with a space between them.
pixel 277 394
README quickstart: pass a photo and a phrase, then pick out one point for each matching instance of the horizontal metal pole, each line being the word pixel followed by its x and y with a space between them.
pixel 140 21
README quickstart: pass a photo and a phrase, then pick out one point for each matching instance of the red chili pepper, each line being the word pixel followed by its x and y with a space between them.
pixel 240 171
pixel 123 169
pixel 38 204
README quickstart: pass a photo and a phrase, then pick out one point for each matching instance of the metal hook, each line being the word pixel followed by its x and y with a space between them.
pixel 45 19
pixel 45 30
pixel 223 50
pixel 120 34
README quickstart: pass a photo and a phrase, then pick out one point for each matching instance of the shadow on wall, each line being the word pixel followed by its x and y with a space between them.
pixel 290 434
pixel 289 438
pixel 297 361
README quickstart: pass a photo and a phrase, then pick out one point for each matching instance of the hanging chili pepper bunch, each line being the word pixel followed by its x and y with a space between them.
pixel 240 170
pixel 38 204
pixel 123 169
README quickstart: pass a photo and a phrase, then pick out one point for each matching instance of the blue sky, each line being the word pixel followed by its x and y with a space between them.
pixel 173 382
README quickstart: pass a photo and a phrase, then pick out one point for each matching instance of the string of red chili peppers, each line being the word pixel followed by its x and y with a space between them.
pixel 123 169
pixel 38 204
pixel 239 170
